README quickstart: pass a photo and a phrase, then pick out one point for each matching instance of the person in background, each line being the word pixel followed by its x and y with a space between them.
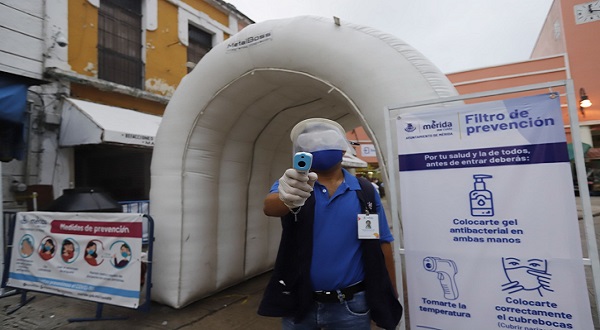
pixel 381 188
pixel 324 275
pixel 375 185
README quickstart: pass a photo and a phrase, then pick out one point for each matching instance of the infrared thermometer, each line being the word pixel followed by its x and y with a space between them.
pixel 446 273
pixel 302 161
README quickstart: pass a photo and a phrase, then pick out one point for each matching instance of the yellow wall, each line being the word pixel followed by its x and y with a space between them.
pixel 166 57
pixel 83 37
pixel 211 11
pixel 89 93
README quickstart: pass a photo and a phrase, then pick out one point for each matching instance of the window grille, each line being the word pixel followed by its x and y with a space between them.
pixel 199 43
pixel 120 42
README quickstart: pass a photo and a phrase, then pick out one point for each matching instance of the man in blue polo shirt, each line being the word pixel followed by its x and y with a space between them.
pixel 320 278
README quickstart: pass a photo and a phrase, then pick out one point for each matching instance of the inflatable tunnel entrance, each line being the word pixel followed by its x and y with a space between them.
pixel 224 139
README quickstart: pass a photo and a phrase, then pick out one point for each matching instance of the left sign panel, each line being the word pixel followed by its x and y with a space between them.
pixel 89 256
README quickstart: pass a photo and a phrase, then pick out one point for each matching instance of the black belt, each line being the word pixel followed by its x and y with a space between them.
pixel 334 296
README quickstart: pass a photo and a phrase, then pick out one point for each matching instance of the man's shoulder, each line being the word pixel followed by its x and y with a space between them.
pixel 351 180
pixel 363 182
pixel 367 186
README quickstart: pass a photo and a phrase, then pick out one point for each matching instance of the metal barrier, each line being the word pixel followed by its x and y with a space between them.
pixel 8 225
pixel 141 206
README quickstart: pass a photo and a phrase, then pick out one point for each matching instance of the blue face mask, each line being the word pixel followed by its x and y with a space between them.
pixel 326 159
pixel 124 254
pixel 90 251
pixel 47 247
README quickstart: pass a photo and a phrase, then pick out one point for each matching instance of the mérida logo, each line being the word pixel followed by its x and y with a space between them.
pixel 437 125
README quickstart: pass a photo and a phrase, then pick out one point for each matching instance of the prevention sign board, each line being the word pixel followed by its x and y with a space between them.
pixel 489 217
pixel 89 256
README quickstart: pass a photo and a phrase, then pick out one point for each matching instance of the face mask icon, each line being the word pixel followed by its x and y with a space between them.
pixel 446 271
pixel 527 275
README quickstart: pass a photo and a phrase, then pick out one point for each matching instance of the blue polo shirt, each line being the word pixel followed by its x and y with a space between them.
pixel 337 254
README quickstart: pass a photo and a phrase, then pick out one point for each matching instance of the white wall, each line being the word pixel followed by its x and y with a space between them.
pixel 21 35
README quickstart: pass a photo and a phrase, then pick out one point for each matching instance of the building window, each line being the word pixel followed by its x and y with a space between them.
pixel 199 43
pixel 120 42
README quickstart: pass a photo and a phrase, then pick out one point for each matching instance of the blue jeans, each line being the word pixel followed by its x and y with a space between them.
pixel 351 314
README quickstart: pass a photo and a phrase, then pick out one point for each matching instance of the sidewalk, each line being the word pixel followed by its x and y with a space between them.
pixel 233 308
pixel 595 203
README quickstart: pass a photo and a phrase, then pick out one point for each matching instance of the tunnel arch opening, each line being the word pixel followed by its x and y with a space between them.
pixel 224 139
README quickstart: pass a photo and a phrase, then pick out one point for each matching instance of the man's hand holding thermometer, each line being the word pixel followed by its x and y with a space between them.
pixel 297 183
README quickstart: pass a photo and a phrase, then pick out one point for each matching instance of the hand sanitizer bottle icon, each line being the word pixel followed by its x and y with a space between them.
pixel 482 203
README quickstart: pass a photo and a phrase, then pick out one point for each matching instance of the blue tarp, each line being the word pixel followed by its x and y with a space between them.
pixel 13 102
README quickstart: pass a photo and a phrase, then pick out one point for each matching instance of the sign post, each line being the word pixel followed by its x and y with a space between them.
pixel 489 217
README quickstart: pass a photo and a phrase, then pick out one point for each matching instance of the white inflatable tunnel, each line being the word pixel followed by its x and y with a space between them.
pixel 224 139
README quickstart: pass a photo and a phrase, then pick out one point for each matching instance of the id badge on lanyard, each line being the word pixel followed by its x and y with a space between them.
pixel 368 226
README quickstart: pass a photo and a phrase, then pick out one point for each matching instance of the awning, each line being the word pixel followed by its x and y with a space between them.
pixel 350 159
pixel 571 151
pixel 86 122
pixel 593 153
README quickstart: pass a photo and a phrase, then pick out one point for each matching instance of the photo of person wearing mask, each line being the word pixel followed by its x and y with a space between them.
pixel 125 255
pixel 68 251
pixel 47 249
pixel 91 253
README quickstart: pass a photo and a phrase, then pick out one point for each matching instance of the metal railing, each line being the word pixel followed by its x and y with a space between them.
pixel 8 224
pixel 141 206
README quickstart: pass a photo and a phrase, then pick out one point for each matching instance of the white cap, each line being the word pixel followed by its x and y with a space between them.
pixel 317 134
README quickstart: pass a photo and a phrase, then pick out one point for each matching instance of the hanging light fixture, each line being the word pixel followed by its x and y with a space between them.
pixel 584 101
